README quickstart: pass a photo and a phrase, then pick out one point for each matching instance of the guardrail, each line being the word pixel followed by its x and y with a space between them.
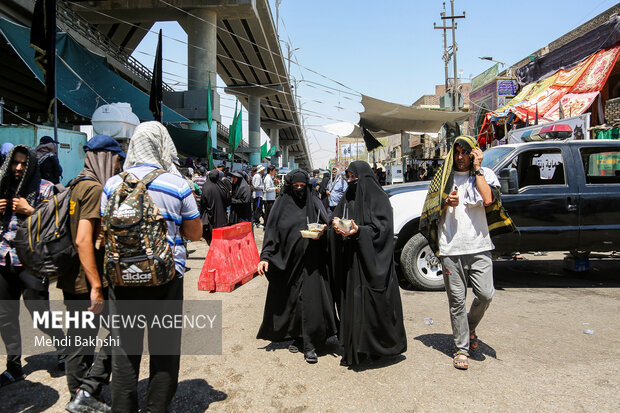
pixel 70 18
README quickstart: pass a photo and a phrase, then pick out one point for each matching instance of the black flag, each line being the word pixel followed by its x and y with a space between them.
pixel 157 93
pixel 43 41
pixel 370 141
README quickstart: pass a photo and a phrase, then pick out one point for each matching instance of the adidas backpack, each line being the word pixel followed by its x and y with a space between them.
pixel 43 240
pixel 137 252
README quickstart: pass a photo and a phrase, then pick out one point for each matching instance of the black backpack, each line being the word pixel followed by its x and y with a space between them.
pixel 43 241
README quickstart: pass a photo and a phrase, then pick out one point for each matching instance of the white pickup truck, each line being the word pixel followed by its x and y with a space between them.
pixel 561 196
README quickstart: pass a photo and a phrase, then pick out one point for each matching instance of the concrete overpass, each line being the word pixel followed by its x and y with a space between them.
pixel 234 38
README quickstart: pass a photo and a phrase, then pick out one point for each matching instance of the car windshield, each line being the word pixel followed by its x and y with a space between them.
pixel 494 156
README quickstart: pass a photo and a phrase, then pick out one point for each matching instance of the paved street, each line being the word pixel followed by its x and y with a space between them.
pixel 534 354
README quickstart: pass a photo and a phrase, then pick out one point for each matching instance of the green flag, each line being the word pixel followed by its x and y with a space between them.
pixel 272 151
pixel 239 128
pixel 263 151
pixel 232 131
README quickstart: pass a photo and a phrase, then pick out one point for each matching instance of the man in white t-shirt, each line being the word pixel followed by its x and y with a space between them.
pixel 257 195
pixel 464 247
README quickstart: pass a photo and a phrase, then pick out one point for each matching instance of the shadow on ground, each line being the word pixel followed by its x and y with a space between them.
pixel 194 395
pixel 27 397
pixel 444 343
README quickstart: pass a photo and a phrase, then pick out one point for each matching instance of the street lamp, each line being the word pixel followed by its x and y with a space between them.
pixel 489 58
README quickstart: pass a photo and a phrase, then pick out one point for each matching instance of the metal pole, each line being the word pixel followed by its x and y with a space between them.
pixel 1 110
pixel 454 48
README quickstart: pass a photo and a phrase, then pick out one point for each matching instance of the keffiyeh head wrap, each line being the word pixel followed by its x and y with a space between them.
pixel 441 186
pixel 151 144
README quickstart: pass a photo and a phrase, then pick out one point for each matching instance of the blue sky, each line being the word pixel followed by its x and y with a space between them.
pixel 386 49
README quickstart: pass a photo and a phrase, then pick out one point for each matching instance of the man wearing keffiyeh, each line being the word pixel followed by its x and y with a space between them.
pixel 461 212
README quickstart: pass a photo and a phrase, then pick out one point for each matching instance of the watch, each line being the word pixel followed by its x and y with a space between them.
pixel 478 172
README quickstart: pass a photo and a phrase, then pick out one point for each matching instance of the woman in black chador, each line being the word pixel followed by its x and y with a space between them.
pixel 299 303
pixel 369 306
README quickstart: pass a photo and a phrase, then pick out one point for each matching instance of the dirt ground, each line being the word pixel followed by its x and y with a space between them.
pixel 534 354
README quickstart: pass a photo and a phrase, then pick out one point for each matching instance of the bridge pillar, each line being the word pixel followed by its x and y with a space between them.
pixel 284 156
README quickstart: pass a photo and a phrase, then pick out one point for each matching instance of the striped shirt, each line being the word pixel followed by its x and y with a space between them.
pixel 174 199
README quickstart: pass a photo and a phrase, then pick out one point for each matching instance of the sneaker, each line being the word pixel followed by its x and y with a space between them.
pixel 84 402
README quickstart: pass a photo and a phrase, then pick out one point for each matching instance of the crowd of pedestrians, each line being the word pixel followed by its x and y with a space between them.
pixel 340 282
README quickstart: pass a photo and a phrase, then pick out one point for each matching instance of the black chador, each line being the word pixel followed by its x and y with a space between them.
pixel 369 305
pixel 299 303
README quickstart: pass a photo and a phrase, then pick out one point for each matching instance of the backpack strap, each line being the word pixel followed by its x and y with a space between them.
pixel 79 178
pixel 151 176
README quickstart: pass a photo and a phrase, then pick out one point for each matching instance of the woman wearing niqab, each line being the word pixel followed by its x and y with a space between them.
pixel 299 304
pixel 369 305
pixel 214 200
pixel 241 200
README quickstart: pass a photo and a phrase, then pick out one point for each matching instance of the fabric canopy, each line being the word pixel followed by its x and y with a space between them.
pixel 565 57
pixel 83 79
pixel 570 91
pixel 387 118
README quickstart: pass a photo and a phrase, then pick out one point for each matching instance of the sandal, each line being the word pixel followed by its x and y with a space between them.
pixel 7 378
pixel 473 340
pixel 461 361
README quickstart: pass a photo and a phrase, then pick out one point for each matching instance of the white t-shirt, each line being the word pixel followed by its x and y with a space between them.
pixel 463 229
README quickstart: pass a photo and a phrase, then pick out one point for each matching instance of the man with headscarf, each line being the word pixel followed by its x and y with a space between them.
pixel 86 374
pixel 213 203
pixel 21 190
pixel 370 309
pixel 49 165
pixel 241 200
pixel 151 148
pixel 462 204
pixel 299 303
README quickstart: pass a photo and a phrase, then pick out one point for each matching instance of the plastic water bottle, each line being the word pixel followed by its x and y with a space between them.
pixel 428 321
pixel 588 332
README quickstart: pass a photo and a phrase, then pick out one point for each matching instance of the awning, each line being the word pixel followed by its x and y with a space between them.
pixel 570 91
pixel 387 118
pixel 83 79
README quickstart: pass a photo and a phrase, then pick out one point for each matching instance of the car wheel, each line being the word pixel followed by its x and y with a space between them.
pixel 420 266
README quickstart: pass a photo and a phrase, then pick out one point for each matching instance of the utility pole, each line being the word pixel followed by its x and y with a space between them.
pixel 454 48
pixel 446 55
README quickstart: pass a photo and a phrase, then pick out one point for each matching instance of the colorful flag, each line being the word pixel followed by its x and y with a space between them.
pixel 157 92
pixel 43 41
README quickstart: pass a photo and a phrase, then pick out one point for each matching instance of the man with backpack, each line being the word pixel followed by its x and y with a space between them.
pixel 49 165
pixel 86 289
pixel 21 190
pixel 142 263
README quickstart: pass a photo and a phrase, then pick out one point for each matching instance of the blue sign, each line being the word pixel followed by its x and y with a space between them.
pixel 507 88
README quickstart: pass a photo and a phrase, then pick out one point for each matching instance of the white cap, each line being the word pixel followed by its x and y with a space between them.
pixel 260 169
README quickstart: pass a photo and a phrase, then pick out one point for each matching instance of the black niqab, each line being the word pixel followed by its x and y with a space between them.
pixel 299 302
pixel 214 200
pixel 370 308
pixel 241 201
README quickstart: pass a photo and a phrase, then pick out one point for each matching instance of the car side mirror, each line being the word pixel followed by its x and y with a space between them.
pixel 509 181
